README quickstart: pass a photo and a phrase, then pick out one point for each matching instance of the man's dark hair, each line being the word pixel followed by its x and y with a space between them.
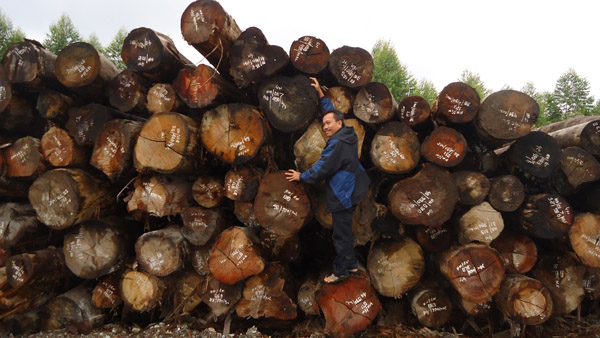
pixel 337 115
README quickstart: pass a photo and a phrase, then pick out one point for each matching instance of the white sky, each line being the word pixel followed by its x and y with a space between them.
pixel 506 42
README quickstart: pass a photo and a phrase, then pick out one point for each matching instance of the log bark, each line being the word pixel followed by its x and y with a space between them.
pixel 73 309
pixel 162 98
pixel 584 236
pixel 220 297
pixel 159 196
pixel 60 149
pixel 395 149
pixel 351 66
pixel 241 182
pixel 113 149
pixel 444 146
pixel 473 187
pixel 475 270
pixel 428 198
pixel 202 226
pixel 395 266
pixel 24 158
pixel 107 293
pixel 518 251
pixel 29 64
pixel 563 277
pixel 309 55
pixel 208 191
pixel 244 212
pixel 414 111
pixel 585 135
pixel 128 92
pixel 577 167
pixel 457 103
pixel 211 30
pixel 161 252
pixel 341 97
pixel 39 267
pixel 524 300
pixel 537 154
pixel 17 221
pixel 86 123
pixel 235 256
pixel 17 116
pixel 506 193
pixel 431 306
pixel 244 128
pixel 54 105
pixel 142 291
pixel 281 206
pixel 152 55
pixel 289 103
pixel 435 239
pixel 481 223
pixel 168 143
pixel 202 86
pixel 545 216
pixel 65 197
pixel 374 103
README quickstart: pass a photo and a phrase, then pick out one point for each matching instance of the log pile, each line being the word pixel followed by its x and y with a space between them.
pixel 158 192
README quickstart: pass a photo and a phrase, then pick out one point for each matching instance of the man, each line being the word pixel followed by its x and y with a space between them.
pixel 347 182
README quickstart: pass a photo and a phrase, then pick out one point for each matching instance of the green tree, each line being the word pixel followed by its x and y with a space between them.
pixel 113 50
pixel 8 34
pixel 542 98
pixel 389 70
pixel 473 80
pixel 62 33
pixel 95 41
pixel 426 89
pixel 571 96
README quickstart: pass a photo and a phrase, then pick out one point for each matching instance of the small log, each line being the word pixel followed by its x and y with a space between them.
pixel 142 291
pixel 30 64
pixel 474 270
pixel 577 167
pixel 113 149
pixel 457 103
pixel 280 248
pixel 107 293
pixel 307 300
pixel 585 238
pixel 21 300
pixel 281 206
pixel 395 266
pixel 524 300
pixel 242 125
pixel 591 283
pixel 235 255
pixel 252 59
pixel 506 193
pixel 351 66
pixel 159 196
pixel 152 55
pixel 86 123
pixel 202 86
pixel 207 27
pixel 199 256
pixel 585 135
pixel 161 252
pixel 267 295
pixel 473 187
pixel 186 296
pixel 431 306
pixel 414 111
pixel 241 182
pixel 208 191
pixel 38 267
pixel 395 149
pixel 73 309
pixel 475 309
pixel 201 226
pixel 94 249
pixel 367 212
pixel 481 223
pixel 244 212
pixel 162 98
pixel 428 198
pixel 54 105
pixel 444 146
pixel 563 277
pixel 220 297
pixel 23 158
pixel 545 216
pixel 518 251
pixel 60 149
pixel 289 103
pixel 65 197
pixel 537 154
pixel 17 220
pixel 5 91
pixel 17 116
pixel 341 97
pixel 577 119
pixel 168 143
pixel 435 239
pixel 374 103
pixel 127 92
pixel 309 55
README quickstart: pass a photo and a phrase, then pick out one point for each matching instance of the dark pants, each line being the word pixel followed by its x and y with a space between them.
pixel 344 242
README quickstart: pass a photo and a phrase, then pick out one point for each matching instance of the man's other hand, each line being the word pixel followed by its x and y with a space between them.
pixel 292 175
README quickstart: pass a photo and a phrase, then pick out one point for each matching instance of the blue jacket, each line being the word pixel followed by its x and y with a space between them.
pixel 347 181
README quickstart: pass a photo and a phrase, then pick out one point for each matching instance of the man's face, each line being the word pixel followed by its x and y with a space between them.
pixel 330 125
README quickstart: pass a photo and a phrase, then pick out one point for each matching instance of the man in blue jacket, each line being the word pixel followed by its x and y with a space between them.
pixel 347 182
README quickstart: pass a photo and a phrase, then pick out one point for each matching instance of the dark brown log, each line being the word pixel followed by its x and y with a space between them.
pixel 428 198
pixel 341 97
pixel 16 221
pixel 17 116
pixel 161 252
pixel 54 105
pixel 86 123
pixel 349 306
pixel 241 182
pixel 244 128
pixel 152 55
pixel 563 277
pixel 444 146
pixel 159 195
pixel 168 143
pixel 434 239
pixel 162 98
pixel 474 270
pixel 591 283
pixel 30 64
pixel 414 111
pixel 481 223
pixel 473 187
pixel 280 248
pixel 267 295
pixel 24 324
pixel 374 103
pixel 577 119
pixel 201 226
pixel 577 167
pixel 207 27
pixel 475 309
pixel 431 306
pixel 585 238
pixel 235 255
pixel 281 206
pixel 307 301
pixel 127 92
pixel 73 309
pixel 457 103
pixel 585 135
pixel 506 193
pixel 13 187
pixel 524 300
pixel 289 103
pixel 518 251
pixel 367 212
pixel 395 266
pixel 395 149
pixel 252 59
pixel 505 116
pixel 18 301
pixel 309 55
pixel 186 296
pixel 23 158
pixel 537 154
pixel 220 297
pixel 94 249
pixel 202 86
pixel 208 191
pixel 244 212
pixel 5 91
pixel 142 291
pixel 42 266
pixel 65 197
pixel 199 257
pixel 107 293
pixel 351 66
pixel 60 149
pixel 545 216
pixel 113 149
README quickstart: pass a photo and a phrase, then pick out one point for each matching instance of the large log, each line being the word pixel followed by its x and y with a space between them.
pixel 235 255
pixel 158 195
pixel 5 91
pixel 524 300
pixel 427 198
pixel 432 306
pixel 244 212
pixel 18 301
pixel 506 193
pixel 73 309
pixel 241 182
pixel 17 116
pixel 584 236
pixel 201 226
pixel 142 291
pixel 16 221
pixel 577 167
pixel 563 277
pixel 481 223
pixel 207 191
pixel 29 64
pixel 61 150
pixel 280 248
pixel 473 187
pixel 545 216
pixel 39 267
pixel 374 103
pixel 341 97
pixel 435 239
pixel 457 103
pixel 86 123
pixel 414 111
pixel 585 135
pixel 152 54
pixel 113 149
pixel 202 86
pixel 65 197
pixel 54 105
pixel 444 146
pixel 162 98
pixel 351 66
pixel 127 92
pixel 309 55
pixel 577 119
pixel 536 153
pixel 395 149
pixel 161 252
pixel 518 251
pixel 24 158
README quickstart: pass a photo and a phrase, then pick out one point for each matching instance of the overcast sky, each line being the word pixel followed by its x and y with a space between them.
pixel 505 42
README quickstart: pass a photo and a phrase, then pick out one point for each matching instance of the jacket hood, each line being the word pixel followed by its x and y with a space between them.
pixel 346 134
